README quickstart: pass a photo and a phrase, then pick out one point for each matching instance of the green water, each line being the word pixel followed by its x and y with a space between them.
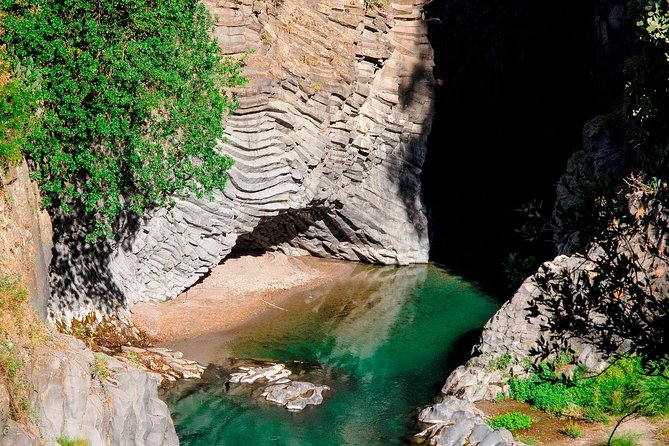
pixel 386 339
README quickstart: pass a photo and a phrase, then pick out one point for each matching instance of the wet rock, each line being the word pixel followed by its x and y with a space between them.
pixel 295 395
pixel 250 375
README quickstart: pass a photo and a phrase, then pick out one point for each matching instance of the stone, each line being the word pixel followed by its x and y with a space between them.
pixel 4 406
pixel 16 435
pixel 456 435
pixel 498 437
pixel 295 395
pixel 123 409
pixel 249 375
pixel 479 433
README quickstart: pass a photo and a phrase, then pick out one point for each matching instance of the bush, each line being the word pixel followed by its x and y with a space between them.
pixel 132 97
pixel 16 109
pixel 65 441
pixel 625 386
pixel 511 421
pixel 625 439
pixel 572 430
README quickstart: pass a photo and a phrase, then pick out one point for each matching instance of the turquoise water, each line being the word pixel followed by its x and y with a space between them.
pixel 385 339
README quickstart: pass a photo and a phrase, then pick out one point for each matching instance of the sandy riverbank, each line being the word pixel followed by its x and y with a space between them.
pixel 238 290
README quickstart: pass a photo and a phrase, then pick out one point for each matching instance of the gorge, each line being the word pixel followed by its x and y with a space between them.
pixel 403 133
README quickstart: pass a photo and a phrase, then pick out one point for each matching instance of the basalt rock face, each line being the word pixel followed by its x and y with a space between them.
pixel 328 141
pixel 25 234
pixel 119 406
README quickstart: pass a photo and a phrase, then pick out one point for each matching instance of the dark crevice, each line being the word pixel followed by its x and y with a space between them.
pixel 516 80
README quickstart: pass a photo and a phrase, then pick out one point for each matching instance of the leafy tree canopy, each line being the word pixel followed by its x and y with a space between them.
pixel 131 95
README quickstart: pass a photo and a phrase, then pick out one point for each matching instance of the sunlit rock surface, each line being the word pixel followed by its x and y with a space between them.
pixel 328 142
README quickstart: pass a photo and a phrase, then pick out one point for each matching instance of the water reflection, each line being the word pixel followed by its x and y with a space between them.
pixel 382 339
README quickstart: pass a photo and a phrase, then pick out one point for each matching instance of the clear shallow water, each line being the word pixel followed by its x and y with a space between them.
pixel 386 339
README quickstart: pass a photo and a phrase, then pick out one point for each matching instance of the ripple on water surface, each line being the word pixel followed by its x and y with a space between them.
pixel 385 338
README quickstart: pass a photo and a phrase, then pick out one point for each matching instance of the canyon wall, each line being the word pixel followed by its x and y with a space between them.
pixel 328 142
pixel 25 234
pixel 51 385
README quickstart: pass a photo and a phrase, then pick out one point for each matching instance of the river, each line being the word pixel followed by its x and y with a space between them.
pixel 384 339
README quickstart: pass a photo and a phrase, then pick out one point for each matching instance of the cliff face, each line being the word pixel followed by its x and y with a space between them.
pixel 328 142
pixel 25 235
pixel 74 399
pixel 56 386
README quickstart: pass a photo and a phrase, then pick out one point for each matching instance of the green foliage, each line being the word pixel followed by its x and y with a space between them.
pixel 572 430
pixel 529 441
pixel 132 94
pixel 647 87
pixel 656 21
pixel 511 421
pixel 625 439
pixel 134 359
pixel 499 363
pixel 625 386
pixel 100 367
pixel 66 441
pixel 16 110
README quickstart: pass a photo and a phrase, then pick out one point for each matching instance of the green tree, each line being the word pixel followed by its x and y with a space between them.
pixel 131 95
pixel 16 108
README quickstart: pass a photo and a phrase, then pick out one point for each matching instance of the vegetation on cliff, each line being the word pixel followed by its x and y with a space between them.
pixel 20 331
pixel 129 98
pixel 614 218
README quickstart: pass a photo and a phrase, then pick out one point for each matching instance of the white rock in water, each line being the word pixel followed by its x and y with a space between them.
pixel 295 395
pixel 252 374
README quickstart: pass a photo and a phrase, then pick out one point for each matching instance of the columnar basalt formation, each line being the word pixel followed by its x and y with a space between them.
pixel 328 142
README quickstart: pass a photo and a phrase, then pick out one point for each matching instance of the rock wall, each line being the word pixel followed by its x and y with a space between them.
pixel 545 318
pixel 69 401
pixel 54 372
pixel 25 234
pixel 516 332
pixel 328 142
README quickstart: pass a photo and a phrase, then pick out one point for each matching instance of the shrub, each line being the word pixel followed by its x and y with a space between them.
pixel 132 94
pixel 16 109
pixel 572 430
pixel 625 439
pixel 511 421
pixel 499 363
pixel 100 368
pixel 65 441
pixel 590 397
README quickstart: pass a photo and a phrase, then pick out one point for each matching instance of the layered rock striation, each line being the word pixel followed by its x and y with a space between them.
pixel 328 142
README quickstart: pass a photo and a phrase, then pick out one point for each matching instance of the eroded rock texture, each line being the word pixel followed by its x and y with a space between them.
pixel 329 140
pixel 25 234
pixel 99 400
